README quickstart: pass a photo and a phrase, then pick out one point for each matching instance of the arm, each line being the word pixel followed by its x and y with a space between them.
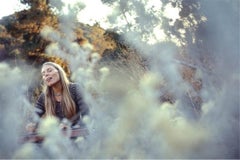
pixel 82 107
pixel 39 106
pixel 38 112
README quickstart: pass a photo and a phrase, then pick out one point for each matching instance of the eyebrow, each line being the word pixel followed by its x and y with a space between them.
pixel 46 69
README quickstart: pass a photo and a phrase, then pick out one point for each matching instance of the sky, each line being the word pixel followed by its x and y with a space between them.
pixel 8 7
pixel 95 10
pixel 100 10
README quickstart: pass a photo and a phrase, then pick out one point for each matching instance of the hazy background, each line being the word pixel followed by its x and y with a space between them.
pixel 127 120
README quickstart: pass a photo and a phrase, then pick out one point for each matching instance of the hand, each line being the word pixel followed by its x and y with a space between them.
pixel 63 126
pixel 31 127
pixel 76 126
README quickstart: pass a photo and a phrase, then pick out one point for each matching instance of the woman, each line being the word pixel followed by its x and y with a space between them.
pixel 60 98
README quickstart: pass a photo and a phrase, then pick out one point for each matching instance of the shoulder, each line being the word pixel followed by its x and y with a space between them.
pixel 40 101
pixel 75 89
pixel 41 97
pixel 73 86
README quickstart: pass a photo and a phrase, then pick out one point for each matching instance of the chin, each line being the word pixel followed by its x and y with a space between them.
pixel 49 84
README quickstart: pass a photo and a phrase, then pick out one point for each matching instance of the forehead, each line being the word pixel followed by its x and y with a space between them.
pixel 46 67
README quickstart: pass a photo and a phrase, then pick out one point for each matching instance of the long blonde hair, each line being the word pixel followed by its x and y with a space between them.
pixel 67 103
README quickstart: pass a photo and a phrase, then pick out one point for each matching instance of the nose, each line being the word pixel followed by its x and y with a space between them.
pixel 44 76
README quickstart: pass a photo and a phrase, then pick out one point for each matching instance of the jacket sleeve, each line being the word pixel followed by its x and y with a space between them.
pixel 39 106
pixel 82 107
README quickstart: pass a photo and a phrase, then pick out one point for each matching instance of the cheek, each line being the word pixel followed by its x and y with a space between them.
pixel 57 77
pixel 44 79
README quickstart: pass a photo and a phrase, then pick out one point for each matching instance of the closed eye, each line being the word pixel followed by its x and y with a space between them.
pixel 49 70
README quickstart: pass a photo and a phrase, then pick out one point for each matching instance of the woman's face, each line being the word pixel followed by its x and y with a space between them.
pixel 50 75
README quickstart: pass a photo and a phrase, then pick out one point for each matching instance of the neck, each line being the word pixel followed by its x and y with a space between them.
pixel 57 89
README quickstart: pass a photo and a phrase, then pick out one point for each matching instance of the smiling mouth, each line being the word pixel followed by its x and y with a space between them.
pixel 49 79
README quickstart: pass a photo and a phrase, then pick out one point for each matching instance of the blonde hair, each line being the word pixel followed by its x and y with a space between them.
pixel 67 103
